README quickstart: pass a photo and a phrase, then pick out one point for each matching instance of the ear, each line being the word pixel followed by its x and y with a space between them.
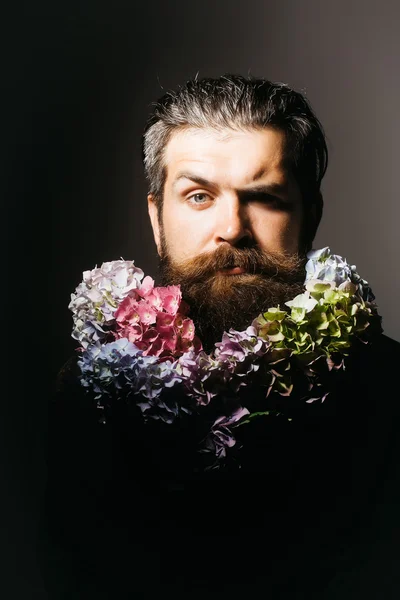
pixel 153 214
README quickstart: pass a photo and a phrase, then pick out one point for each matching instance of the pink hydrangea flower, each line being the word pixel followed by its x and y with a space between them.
pixel 155 320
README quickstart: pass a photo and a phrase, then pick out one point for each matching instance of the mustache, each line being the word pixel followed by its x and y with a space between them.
pixel 253 260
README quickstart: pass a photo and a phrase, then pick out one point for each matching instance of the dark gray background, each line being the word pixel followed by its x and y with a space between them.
pixel 77 82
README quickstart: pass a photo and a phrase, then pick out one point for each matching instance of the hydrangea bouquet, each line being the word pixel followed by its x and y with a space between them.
pixel 137 341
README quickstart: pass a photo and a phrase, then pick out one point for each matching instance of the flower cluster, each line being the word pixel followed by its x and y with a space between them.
pixel 324 266
pixel 137 340
pixel 154 319
pixel 112 302
pixel 229 367
pixel 97 298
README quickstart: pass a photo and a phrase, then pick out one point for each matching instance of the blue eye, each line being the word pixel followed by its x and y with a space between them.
pixel 199 198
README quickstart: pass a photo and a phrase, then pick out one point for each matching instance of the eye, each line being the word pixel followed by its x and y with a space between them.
pixel 267 199
pixel 199 198
pixel 274 202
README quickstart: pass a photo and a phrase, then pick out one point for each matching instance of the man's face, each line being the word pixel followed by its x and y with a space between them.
pixel 229 228
pixel 227 188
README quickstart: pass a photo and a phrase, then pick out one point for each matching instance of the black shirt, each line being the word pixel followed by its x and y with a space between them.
pixel 311 513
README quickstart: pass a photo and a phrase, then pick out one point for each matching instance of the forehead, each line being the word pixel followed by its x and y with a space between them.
pixel 237 156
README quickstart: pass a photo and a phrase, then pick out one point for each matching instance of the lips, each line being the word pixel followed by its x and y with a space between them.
pixel 233 271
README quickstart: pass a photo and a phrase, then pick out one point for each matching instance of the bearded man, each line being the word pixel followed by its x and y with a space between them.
pixel 234 167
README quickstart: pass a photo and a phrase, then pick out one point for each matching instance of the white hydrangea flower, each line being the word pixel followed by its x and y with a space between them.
pixel 325 266
pixel 318 285
pixel 319 255
pixel 97 297
pixel 303 301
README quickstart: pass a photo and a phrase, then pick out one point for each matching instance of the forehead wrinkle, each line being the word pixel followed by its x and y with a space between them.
pixel 279 160
pixel 203 179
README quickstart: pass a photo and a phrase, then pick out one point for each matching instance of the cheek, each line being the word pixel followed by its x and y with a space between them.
pixel 290 236
pixel 278 231
pixel 184 236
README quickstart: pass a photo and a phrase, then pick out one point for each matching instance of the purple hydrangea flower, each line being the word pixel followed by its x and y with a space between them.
pixel 201 376
pixel 238 355
pixel 220 437
pixel 152 382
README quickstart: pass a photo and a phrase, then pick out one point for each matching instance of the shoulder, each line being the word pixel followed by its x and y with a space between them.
pixel 72 409
pixel 382 348
pixel 376 365
pixel 388 344
pixel 67 378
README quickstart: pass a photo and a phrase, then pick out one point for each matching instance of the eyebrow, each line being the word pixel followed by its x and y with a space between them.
pixel 263 188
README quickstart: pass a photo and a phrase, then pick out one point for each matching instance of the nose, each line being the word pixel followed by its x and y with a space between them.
pixel 231 222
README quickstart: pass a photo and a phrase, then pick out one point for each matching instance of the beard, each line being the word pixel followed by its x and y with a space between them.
pixel 219 301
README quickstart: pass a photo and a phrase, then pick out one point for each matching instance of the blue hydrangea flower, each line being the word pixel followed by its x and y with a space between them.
pixel 107 368
pixel 325 266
